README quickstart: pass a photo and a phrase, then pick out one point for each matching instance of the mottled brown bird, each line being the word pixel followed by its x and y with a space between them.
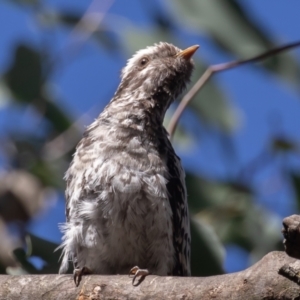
pixel 126 197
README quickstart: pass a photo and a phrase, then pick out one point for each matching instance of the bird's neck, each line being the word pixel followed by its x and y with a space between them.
pixel 137 109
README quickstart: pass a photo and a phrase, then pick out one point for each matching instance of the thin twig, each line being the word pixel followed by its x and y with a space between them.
pixel 215 69
pixel 66 141
pixel 88 24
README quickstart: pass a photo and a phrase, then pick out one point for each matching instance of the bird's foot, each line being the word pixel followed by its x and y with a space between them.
pixel 78 273
pixel 137 272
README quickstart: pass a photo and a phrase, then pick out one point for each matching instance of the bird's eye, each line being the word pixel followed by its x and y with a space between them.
pixel 143 62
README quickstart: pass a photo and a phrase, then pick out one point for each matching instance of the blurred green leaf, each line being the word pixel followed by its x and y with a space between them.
pixel 24 78
pixel 207 252
pixel 237 219
pixel 29 156
pixel 4 94
pixel 22 258
pixel 283 145
pixel 263 230
pixel 43 249
pixel 49 17
pixel 204 193
pixel 197 198
pixel 135 39
pixel 296 185
pixel 229 208
pixel 57 116
pixel 2 269
pixel 69 18
pixel 222 205
pixel 212 105
pixel 25 81
pixel 107 39
pixel 24 2
pixel 46 173
pixel 48 252
pixel 227 22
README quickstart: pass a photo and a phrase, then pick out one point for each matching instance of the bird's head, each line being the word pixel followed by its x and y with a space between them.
pixel 158 73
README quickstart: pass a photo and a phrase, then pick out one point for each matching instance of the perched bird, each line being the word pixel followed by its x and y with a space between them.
pixel 126 197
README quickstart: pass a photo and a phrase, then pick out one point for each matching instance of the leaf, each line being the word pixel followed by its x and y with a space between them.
pixel 50 17
pixel 227 22
pixel 58 117
pixel 2 269
pixel 225 206
pixel 280 144
pixel 237 219
pixel 24 78
pixel 28 157
pixel 197 198
pixel 26 83
pixel 47 173
pixel 212 106
pixel 218 193
pixel 21 256
pixel 107 39
pixel 45 250
pixel 24 2
pixel 69 18
pixel 135 39
pixel 296 185
pixel 222 206
pixel 4 95
pixel 207 252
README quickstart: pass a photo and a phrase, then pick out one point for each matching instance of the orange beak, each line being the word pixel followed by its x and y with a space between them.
pixel 188 52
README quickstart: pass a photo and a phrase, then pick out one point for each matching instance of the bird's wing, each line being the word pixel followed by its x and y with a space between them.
pixel 76 177
pixel 181 222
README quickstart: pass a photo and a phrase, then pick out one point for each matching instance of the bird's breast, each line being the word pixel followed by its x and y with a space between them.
pixel 121 168
pixel 118 184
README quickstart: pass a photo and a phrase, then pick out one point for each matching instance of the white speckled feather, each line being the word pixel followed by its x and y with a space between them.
pixel 126 196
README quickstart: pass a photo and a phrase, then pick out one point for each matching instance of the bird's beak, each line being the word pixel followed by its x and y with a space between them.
pixel 188 52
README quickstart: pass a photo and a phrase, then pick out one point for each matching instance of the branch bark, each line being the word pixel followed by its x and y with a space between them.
pixel 260 281
pixel 291 233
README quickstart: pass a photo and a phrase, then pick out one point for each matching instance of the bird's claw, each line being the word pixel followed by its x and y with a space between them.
pixel 137 272
pixel 78 273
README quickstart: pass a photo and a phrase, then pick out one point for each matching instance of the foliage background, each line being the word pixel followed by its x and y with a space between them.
pixel 238 140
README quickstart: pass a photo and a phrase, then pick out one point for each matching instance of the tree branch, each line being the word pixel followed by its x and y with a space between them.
pixel 291 233
pixel 261 281
pixel 211 70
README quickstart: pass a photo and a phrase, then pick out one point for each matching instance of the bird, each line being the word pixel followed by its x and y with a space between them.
pixel 126 198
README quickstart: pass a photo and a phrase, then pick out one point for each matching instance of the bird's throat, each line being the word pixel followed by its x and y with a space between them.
pixel 139 109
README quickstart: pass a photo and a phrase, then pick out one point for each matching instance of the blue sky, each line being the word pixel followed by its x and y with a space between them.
pixel 267 106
